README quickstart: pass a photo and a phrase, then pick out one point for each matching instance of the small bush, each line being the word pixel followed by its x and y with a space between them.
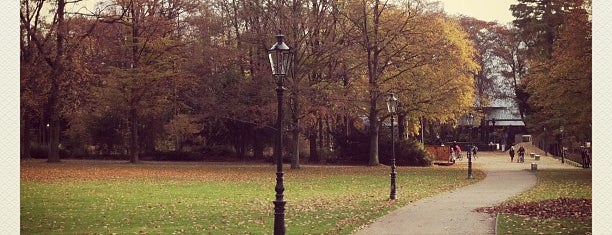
pixel 42 151
pixel 327 156
pixel 217 151
pixel 356 148
pixel 174 156
pixel 407 153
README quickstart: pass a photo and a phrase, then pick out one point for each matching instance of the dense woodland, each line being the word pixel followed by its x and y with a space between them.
pixel 140 78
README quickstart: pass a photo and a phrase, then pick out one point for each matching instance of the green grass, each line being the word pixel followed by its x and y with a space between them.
pixel 201 198
pixel 552 184
pixel 513 224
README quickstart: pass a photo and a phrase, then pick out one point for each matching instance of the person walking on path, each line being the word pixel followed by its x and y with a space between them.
pixel 585 157
pixel 521 152
pixel 511 152
pixel 458 151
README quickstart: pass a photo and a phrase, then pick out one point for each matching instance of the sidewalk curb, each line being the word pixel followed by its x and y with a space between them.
pixel 496 223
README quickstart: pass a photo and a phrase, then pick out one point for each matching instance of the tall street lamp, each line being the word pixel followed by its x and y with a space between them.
pixel 470 120
pixel 562 148
pixel 392 107
pixel 280 60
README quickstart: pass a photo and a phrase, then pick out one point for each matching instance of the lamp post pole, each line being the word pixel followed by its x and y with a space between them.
pixel 470 119
pixel 392 107
pixel 494 131
pixel 279 203
pixel 393 194
pixel 280 59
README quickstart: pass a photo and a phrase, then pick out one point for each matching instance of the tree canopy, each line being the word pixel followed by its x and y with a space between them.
pixel 136 78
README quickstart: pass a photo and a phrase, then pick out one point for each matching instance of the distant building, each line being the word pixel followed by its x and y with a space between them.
pixel 503 121
pixel 497 123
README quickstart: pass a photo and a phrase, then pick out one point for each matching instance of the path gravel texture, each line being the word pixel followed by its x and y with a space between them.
pixel 453 212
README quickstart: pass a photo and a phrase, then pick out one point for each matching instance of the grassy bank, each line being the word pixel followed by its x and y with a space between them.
pixel 552 185
pixel 76 197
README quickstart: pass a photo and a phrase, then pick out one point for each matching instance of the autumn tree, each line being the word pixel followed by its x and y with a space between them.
pixel 55 43
pixel 538 23
pixel 232 93
pixel 146 65
pixel 399 44
pixel 176 72
pixel 558 78
pixel 313 27
pixel 441 84
pixel 33 77
pixel 563 95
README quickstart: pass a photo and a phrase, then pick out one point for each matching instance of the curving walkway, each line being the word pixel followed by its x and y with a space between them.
pixel 452 212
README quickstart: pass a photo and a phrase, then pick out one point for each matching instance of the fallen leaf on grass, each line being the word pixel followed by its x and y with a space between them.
pixel 553 208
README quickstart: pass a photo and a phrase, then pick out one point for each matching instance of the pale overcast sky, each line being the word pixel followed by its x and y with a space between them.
pixel 487 10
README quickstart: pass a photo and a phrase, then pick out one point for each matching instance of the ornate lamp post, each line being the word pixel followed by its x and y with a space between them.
pixel 280 59
pixel 470 119
pixel 392 108
pixel 562 147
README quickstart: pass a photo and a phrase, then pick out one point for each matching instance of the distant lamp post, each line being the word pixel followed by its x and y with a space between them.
pixel 470 120
pixel 562 147
pixel 280 60
pixel 47 136
pixel 392 108
pixel 494 131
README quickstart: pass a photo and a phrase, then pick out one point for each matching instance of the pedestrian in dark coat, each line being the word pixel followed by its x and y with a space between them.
pixel 511 152
pixel 586 160
pixel 521 152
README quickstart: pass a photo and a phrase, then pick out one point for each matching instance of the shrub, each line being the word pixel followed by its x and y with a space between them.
pixel 174 156
pixel 42 151
pixel 356 148
pixel 407 152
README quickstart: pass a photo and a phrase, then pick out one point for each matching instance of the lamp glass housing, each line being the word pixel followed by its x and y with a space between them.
pixel 392 103
pixel 470 119
pixel 280 56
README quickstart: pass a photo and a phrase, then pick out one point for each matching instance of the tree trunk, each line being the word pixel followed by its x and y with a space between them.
pixel 312 139
pixel 53 155
pixel 257 146
pixel 401 126
pixel 295 132
pixel 295 157
pixel 373 132
pixel 242 146
pixel 372 49
pixel 25 135
pixel 320 124
pixel 327 133
pixel 149 146
pixel 348 127
pixel 58 71
pixel 133 136
pixel 133 116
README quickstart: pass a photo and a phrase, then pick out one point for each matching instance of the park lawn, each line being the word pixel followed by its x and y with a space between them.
pixel 552 184
pixel 101 197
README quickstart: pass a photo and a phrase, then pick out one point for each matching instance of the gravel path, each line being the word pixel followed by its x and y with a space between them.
pixel 452 212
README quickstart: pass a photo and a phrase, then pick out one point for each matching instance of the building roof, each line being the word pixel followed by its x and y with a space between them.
pixel 503 116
